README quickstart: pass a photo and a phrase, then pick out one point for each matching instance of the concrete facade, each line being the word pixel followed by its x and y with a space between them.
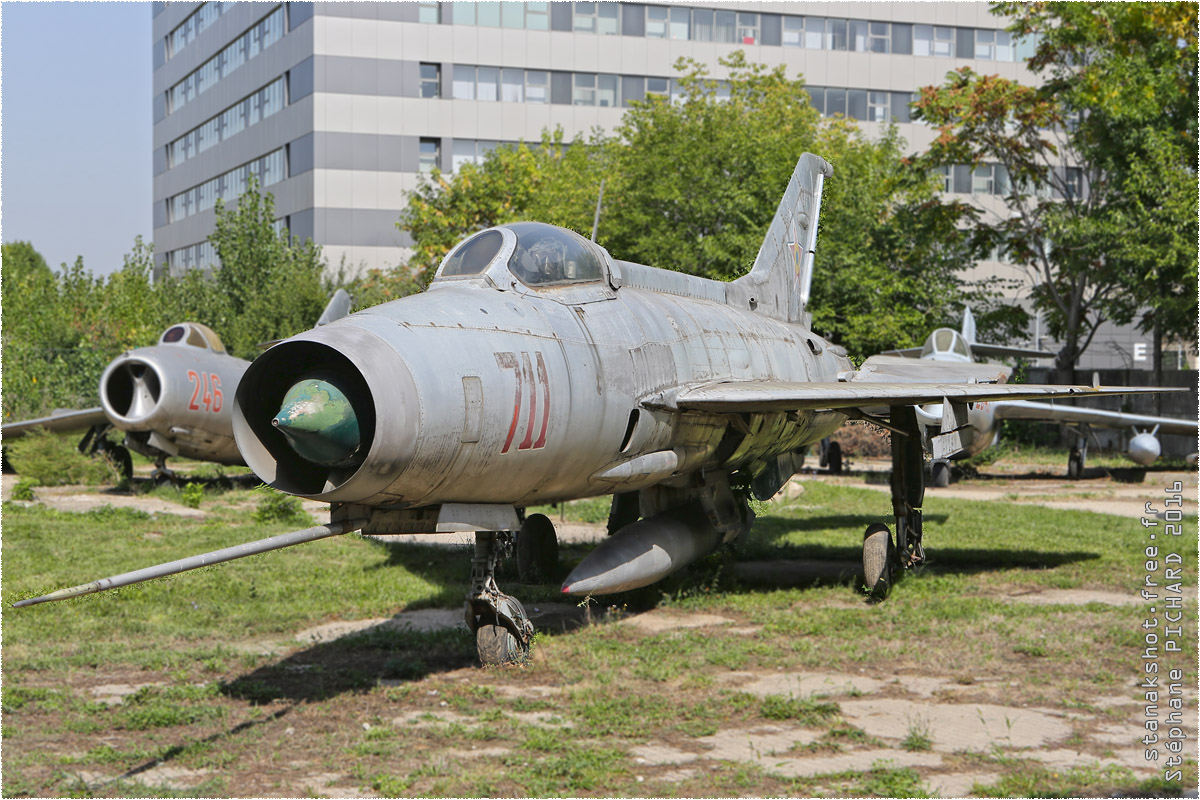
pixel 346 122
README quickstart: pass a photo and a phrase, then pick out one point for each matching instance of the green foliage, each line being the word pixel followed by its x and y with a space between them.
pixel 192 495
pixel 47 459
pixel 1119 103
pixel 276 506
pixel 269 284
pixel 23 490
pixel 693 186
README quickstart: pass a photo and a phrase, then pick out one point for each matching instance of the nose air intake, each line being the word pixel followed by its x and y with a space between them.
pixel 319 422
pixel 132 390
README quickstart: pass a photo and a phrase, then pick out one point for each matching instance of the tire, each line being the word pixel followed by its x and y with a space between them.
pixel 497 646
pixel 537 550
pixel 877 555
pixel 1075 464
pixel 941 474
pixel 119 457
pixel 833 455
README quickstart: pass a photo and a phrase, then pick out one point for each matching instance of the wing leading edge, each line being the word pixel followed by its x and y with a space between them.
pixel 60 421
pixel 752 396
pixel 1049 412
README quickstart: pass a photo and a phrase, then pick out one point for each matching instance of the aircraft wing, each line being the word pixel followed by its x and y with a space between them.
pixel 58 421
pixel 1049 412
pixel 999 351
pixel 907 352
pixel 751 396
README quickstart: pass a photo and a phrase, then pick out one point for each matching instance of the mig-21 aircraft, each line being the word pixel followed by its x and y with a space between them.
pixel 947 346
pixel 171 399
pixel 537 368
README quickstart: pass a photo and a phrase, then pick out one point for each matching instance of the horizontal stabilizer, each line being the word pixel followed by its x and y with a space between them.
pixel 1051 412
pixel 1001 351
pixel 907 352
pixel 759 396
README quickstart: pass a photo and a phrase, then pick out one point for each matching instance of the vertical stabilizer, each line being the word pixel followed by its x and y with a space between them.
pixel 968 328
pixel 782 274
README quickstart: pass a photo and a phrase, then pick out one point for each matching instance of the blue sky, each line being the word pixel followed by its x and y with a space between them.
pixel 75 127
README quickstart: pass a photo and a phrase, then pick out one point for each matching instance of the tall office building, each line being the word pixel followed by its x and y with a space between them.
pixel 338 108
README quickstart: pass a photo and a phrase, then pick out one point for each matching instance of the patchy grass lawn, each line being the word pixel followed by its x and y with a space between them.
pixel 194 685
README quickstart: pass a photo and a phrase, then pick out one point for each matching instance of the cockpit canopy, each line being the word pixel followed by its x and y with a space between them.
pixel 947 345
pixel 543 255
pixel 193 334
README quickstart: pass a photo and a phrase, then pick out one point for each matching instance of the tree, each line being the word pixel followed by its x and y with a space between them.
pixel 692 185
pixel 1085 157
pixel 269 285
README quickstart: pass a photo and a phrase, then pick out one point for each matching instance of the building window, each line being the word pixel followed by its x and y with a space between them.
pixel 658 87
pixel 429 13
pixel 793 31
pixel 512 15
pixel 512 86
pixel 858 35
pixel 193 26
pixel 463 13
pixel 431 80
pixel 814 33
pixel 470 151
pixel 269 170
pixel 993 45
pixel 537 86
pixel 657 19
pixel 585 90
pixel 487 84
pixel 430 155
pixel 933 40
pixel 725 27
pixel 879 37
pixel 537 16
pixel 606 91
pixel 1073 183
pixel 680 26
pixel 464 82
pixel 835 34
pixel 879 106
pixel 487 15
pixel 599 18
pixel 747 28
pixel 944 176
pixel 702 25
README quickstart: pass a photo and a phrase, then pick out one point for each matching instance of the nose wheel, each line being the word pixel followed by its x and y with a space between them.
pixel 498 620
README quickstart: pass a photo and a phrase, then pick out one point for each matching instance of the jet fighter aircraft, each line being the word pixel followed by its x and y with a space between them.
pixel 947 346
pixel 537 368
pixel 174 398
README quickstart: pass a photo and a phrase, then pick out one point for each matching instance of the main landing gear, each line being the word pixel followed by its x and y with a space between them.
pixel 502 629
pixel 883 559
pixel 95 443
pixel 1077 459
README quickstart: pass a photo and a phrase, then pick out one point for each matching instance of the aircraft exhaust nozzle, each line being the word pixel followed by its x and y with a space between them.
pixel 1144 449
pixel 130 390
pixel 319 422
pixel 644 552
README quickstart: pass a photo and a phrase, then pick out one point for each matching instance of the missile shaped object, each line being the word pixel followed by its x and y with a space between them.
pixel 644 552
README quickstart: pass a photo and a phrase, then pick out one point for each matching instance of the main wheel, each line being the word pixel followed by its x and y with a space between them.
pixel 497 646
pixel 833 454
pixel 877 555
pixel 537 550
pixel 941 474
pixel 119 457
pixel 1075 464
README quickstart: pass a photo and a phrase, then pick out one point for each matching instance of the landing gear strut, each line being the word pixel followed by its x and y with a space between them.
pixel 502 629
pixel 95 443
pixel 883 561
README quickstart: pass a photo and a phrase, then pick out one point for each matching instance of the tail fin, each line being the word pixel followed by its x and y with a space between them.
pixel 968 328
pixel 782 272
pixel 338 307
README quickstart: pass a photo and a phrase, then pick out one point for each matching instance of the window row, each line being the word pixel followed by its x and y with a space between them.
pixel 269 170
pixel 264 103
pixel 195 256
pixel 1067 182
pixel 514 85
pixel 267 32
pixel 194 25
pixel 683 23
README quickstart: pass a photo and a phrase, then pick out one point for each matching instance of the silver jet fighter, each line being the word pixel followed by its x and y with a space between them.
pixel 946 346
pixel 537 369
pixel 172 399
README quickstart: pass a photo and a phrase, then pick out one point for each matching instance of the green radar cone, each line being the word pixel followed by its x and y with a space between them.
pixel 319 422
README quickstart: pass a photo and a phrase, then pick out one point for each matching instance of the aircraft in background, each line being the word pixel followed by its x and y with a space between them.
pixel 982 429
pixel 536 369
pixel 172 399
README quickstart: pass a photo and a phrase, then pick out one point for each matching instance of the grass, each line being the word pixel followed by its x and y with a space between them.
pixel 226 692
